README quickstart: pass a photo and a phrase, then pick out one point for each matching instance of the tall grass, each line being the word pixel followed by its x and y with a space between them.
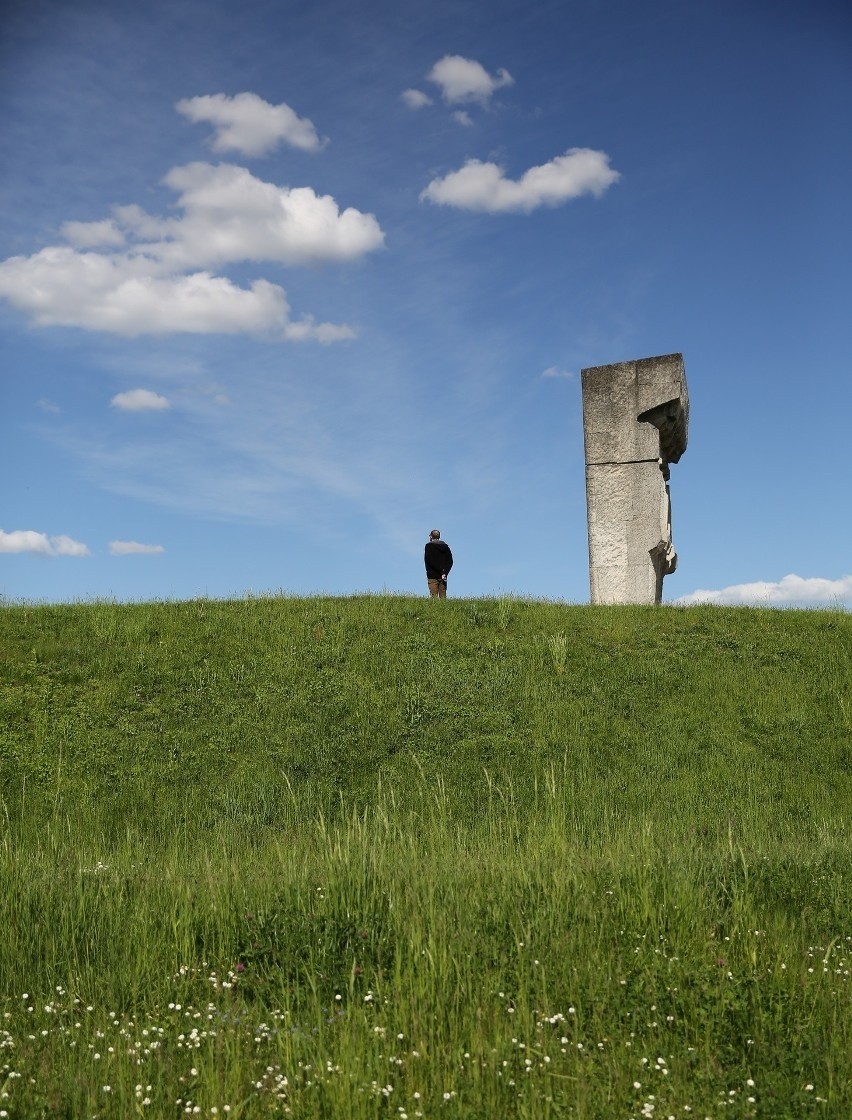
pixel 383 857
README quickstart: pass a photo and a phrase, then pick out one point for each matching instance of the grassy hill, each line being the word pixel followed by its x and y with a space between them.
pixel 393 857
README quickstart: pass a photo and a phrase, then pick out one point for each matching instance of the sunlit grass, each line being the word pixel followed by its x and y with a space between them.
pixel 382 857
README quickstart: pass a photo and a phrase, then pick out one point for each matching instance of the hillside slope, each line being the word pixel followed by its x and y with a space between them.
pixel 373 857
pixel 704 715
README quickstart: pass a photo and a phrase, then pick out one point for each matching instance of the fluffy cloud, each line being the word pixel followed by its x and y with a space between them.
pixel 140 400
pixel 93 235
pixel 230 215
pixel 128 548
pixel 463 79
pixel 415 98
pixel 555 371
pixel 161 282
pixel 463 118
pixel 28 540
pixel 60 287
pixel 483 186
pixel 248 124
pixel 792 590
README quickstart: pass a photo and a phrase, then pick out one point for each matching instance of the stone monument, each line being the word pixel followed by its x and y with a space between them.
pixel 635 420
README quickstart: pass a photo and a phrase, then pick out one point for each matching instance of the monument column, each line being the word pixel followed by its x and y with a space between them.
pixel 635 422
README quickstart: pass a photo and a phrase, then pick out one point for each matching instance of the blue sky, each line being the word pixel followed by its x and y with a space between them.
pixel 284 286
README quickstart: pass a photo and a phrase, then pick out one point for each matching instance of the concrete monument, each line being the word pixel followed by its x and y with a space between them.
pixel 635 420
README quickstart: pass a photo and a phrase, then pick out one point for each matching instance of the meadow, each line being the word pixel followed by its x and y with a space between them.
pixel 391 858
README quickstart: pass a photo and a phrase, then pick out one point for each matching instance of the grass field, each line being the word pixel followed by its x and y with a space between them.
pixel 384 857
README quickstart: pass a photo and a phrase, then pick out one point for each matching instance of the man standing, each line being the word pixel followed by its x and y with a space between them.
pixel 439 560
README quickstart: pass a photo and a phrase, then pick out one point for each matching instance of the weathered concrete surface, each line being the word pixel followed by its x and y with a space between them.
pixel 635 422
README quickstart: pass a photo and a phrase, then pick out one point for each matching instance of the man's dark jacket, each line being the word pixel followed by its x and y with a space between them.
pixel 438 559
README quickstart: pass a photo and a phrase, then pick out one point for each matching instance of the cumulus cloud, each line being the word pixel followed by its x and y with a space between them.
pixel 60 287
pixel 463 79
pixel 249 125
pixel 792 590
pixel 28 540
pixel 483 186
pixel 554 371
pixel 142 226
pixel 162 282
pixel 415 98
pixel 92 235
pixel 230 215
pixel 128 548
pixel 140 400
pixel 463 118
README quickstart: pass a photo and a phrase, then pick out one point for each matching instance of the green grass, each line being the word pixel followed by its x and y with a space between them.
pixel 384 857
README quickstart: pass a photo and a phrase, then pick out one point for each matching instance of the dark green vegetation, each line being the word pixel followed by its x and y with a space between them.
pixel 389 857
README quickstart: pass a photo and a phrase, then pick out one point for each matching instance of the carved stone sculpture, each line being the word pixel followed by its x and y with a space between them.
pixel 635 421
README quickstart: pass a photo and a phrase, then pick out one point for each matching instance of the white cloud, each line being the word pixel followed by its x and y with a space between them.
pixel 28 540
pixel 483 186
pixel 415 98
pixel 161 283
pixel 230 215
pixel 128 548
pixel 47 405
pixel 790 591
pixel 463 118
pixel 140 400
pixel 93 235
pixel 248 124
pixel 554 371
pixel 141 225
pixel 120 295
pixel 463 79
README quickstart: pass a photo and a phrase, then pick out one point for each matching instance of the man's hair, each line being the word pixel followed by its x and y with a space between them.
pixel 435 535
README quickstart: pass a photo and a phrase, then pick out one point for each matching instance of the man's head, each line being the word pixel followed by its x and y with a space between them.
pixel 435 535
